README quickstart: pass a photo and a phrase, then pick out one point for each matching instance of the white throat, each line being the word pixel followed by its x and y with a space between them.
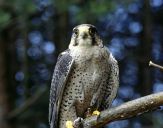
pixel 84 42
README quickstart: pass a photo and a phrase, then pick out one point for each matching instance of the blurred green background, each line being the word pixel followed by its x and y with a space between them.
pixel 34 32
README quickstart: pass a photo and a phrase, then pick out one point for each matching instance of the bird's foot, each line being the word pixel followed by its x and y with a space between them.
pixel 69 124
pixel 78 123
pixel 96 112
pixel 89 113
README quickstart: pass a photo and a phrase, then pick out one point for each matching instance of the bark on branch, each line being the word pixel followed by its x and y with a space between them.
pixel 126 110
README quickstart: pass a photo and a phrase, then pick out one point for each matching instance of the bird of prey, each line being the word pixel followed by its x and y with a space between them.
pixel 85 76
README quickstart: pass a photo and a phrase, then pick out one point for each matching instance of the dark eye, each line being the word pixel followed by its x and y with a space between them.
pixel 76 31
pixel 92 31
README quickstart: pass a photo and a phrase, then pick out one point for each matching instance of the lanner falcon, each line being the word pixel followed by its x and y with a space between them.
pixel 86 76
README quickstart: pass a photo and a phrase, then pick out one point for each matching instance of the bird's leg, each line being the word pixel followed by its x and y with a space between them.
pixel 95 102
pixel 71 116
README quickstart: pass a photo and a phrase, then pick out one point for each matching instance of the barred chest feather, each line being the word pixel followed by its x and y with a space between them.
pixel 89 71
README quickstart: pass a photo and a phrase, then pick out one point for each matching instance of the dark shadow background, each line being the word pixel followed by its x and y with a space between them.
pixel 34 32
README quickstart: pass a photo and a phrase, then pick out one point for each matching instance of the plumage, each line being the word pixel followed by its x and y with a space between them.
pixel 85 76
pixel 60 75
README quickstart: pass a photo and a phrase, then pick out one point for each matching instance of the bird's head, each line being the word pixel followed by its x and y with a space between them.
pixel 85 35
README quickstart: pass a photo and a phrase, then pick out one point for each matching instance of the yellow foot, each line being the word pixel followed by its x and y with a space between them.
pixel 69 124
pixel 96 113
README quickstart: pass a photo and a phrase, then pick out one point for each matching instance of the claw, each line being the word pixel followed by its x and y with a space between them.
pixel 78 122
pixel 69 124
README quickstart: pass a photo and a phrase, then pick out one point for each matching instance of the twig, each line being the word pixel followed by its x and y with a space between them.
pixel 155 65
pixel 28 103
pixel 125 111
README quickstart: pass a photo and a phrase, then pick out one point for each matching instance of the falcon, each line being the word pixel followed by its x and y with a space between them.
pixel 86 76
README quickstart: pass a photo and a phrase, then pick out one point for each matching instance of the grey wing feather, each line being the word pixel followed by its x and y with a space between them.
pixel 60 76
pixel 112 83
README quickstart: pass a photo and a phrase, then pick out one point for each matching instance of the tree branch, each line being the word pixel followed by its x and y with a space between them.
pixel 126 110
pixel 155 65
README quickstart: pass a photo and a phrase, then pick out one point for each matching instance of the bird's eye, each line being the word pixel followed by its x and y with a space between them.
pixel 92 31
pixel 76 31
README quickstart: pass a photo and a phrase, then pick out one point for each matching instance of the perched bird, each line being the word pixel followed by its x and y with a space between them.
pixel 86 75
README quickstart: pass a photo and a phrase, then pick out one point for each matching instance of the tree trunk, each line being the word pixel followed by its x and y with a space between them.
pixel 4 102
pixel 61 29
pixel 145 52
pixel 145 76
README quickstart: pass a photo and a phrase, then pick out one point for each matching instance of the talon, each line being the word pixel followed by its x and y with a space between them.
pixel 69 124
pixel 96 113
pixel 78 122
